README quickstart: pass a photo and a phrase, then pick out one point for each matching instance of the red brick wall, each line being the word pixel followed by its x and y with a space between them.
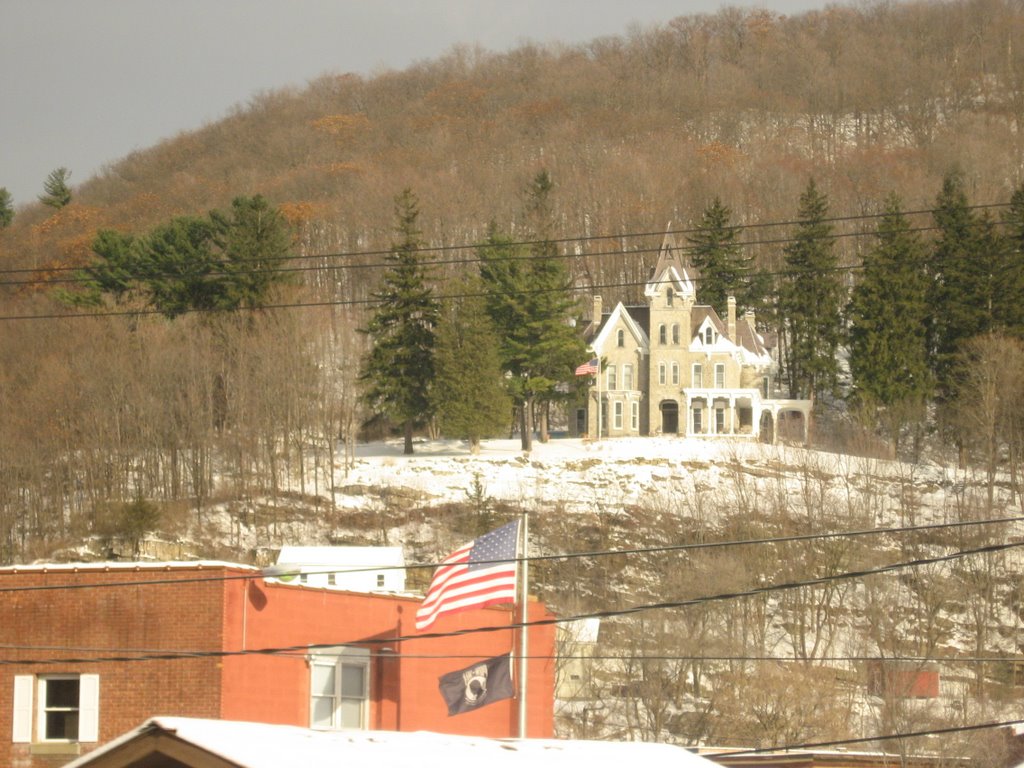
pixel 152 617
pixel 236 615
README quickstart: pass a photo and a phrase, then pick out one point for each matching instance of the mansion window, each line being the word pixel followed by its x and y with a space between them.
pixel 627 376
pixel 719 420
pixel 675 333
pixel 720 376
pixel 618 414
pixel 708 335
pixel 634 416
pixel 697 421
pixel 675 373
pixel 621 338
pixel 669 297
pixel 56 708
pixel 662 338
pixel 698 376
pixel 661 373
pixel 339 688
pixel 611 378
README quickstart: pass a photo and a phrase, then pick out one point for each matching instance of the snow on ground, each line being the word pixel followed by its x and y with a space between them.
pixel 598 474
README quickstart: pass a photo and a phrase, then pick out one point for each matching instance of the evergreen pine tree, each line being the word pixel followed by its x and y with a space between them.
pixel 399 369
pixel 546 347
pixel 1011 315
pixel 530 302
pixel 959 296
pixel 6 208
pixel 469 395
pixel 57 193
pixel 886 314
pixel 723 269
pixel 810 301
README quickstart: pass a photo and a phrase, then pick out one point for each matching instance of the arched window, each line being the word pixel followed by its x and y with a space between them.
pixel 621 337
pixel 669 296
pixel 675 373
pixel 662 338
pixel 661 373
pixel 675 333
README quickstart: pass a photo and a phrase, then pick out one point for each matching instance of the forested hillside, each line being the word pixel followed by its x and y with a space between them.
pixel 636 132
pixel 182 338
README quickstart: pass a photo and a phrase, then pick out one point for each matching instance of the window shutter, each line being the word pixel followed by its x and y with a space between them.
pixel 89 708
pixel 23 685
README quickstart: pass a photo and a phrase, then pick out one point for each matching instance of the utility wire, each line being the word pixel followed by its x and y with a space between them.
pixel 590 238
pixel 373 300
pixel 78 276
pixel 513 625
pixel 294 570
pixel 865 739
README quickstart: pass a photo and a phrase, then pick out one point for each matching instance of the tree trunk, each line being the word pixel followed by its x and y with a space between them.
pixel 526 425
pixel 408 438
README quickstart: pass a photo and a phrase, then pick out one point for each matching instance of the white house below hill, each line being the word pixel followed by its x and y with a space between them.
pixel 356 569
pixel 674 367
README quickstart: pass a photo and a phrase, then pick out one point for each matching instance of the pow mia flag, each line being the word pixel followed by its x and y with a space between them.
pixel 475 686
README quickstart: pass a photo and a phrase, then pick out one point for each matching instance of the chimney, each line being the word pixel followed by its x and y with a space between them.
pixel 731 324
pixel 595 318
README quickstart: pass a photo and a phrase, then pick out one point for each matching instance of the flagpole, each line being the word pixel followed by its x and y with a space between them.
pixel 524 616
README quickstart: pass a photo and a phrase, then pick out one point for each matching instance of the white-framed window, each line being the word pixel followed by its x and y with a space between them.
pixel 719 421
pixel 675 373
pixel 621 338
pixel 697 378
pixel 634 416
pixel 708 335
pixel 662 336
pixel 720 375
pixel 611 378
pixel 697 420
pixel 675 333
pixel 56 708
pixel 661 373
pixel 627 376
pixel 618 414
pixel 339 688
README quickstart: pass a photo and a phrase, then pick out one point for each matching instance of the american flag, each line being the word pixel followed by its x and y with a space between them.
pixel 589 368
pixel 480 573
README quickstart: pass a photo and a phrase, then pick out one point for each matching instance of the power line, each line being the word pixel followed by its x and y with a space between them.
pixel 79 278
pixel 513 625
pixel 867 739
pixel 292 569
pixel 575 289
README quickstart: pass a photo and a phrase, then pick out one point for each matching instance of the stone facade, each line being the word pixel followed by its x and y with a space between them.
pixel 674 367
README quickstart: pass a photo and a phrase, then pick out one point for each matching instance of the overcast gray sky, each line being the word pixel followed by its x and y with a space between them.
pixel 87 82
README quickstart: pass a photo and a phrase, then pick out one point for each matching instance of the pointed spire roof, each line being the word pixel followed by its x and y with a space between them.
pixel 671 270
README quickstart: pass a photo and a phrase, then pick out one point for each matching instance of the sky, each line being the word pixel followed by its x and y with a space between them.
pixel 87 83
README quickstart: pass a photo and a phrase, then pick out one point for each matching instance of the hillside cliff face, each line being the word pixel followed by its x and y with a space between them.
pixel 747 594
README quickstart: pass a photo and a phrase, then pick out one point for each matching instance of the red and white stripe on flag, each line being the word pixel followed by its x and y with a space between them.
pixel 477 574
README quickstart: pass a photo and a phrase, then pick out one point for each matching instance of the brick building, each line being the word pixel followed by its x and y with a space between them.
pixel 72 638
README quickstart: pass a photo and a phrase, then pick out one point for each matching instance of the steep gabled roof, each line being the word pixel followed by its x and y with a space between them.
pixel 670 270
pixel 621 313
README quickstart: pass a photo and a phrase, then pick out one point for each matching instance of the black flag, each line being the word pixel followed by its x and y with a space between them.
pixel 477 685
